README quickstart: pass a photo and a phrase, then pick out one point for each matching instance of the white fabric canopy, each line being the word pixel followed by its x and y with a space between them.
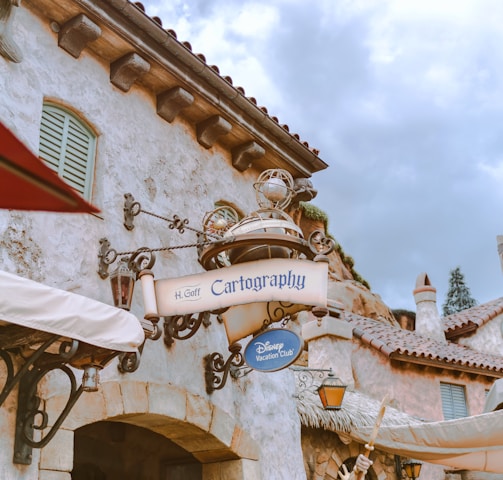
pixel 471 443
pixel 34 305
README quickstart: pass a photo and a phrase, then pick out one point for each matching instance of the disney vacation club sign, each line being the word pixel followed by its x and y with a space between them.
pixel 283 280
pixel 273 350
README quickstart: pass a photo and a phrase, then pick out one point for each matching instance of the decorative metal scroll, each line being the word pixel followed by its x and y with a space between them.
pixel 217 369
pixel 132 208
pixel 129 362
pixel 320 244
pixel 137 260
pixel 182 327
pixel 317 244
pixel 31 412
pixel 308 379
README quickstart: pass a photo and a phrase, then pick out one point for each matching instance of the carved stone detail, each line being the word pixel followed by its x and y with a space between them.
pixel 8 48
pixel 244 155
pixel 171 102
pixel 77 33
pixel 127 69
pixel 304 191
pixel 210 129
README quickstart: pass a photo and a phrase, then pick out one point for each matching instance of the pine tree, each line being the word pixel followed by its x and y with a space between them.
pixel 458 296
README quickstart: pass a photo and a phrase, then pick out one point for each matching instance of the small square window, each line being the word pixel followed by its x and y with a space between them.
pixel 453 401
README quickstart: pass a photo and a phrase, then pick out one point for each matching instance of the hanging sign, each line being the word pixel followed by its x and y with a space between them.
pixel 282 280
pixel 273 350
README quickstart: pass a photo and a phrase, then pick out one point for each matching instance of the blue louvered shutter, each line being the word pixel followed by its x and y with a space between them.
pixel 68 146
pixel 453 401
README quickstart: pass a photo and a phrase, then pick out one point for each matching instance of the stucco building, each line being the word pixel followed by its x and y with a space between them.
pixel 140 125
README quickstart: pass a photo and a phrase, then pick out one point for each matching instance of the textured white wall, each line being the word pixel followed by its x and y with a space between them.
pixel 488 338
pixel 168 172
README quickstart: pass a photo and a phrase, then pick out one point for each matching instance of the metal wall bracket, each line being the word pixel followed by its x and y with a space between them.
pixel 183 327
pixel 132 208
pixel 217 369
pixel 31 414
pixel 308 379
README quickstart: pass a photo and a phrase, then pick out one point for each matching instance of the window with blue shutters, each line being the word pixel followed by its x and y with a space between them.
pixel 68 146
pixel 453 401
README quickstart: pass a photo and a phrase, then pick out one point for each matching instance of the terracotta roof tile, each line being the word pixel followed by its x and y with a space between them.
pixel 158 21
pixel 406 345
pixel 468 320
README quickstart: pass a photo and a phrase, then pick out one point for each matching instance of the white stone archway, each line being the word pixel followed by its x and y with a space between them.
pixel 211 435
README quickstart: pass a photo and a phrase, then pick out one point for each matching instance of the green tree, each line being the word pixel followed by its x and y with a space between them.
pixel 458 296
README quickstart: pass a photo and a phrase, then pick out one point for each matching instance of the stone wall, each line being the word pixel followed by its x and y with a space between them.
pixel 324 454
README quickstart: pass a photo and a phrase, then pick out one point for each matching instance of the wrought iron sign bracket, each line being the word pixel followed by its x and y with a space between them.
pixel 132 208
pixel 307 378
pixel 217 369
pixel 183 327
pixel 31 414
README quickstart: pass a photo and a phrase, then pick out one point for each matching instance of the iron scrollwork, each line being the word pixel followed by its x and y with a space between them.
pixel 320 244
pixel 129 362
pixel 132 208
pixel 138 260
pixel 308 379
pixel 217 369
pixel 31 412
pixel 182 327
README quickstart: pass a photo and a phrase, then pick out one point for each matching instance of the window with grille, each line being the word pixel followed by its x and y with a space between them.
pixel 68 146
pixel 453 401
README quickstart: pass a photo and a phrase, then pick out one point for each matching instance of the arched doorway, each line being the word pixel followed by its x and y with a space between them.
pixel 119 451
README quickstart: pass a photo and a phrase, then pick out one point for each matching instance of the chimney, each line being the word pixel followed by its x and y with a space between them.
pixel 428 321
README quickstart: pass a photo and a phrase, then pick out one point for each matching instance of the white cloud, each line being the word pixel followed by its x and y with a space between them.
pixel 494 171
pixel 403 98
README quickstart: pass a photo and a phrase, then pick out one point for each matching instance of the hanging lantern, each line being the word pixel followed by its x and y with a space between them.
pixel 412 469
pixel 122 282
pixel 331 392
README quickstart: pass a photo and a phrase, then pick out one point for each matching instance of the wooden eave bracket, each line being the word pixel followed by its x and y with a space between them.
pixel 77 33
pixel 244 155
pixel 127 69
pixel 171 102
pixel 210 129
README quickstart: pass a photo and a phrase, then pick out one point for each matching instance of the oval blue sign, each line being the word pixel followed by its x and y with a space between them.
pixel 273 350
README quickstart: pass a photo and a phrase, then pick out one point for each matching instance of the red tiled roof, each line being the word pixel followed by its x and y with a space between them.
pixel 470 319
pixel 228 79
pixel 407 346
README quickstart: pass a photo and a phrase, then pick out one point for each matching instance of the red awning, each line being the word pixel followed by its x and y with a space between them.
pixel 26 183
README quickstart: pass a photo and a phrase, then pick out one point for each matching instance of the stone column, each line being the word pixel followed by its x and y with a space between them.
pixel 330 343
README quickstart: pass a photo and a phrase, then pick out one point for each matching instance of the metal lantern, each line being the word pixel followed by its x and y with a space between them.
pixel 331 392
pixel 412 469
pixel 122 283
pixel 91 378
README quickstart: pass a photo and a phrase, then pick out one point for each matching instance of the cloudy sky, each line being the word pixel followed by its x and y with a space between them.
pixel 404 100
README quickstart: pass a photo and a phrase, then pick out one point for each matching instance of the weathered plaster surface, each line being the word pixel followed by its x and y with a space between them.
pixel 488 338
pixel 168 172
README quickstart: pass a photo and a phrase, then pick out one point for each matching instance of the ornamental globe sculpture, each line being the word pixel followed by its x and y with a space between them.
pixel 274 189
pixel 266 233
